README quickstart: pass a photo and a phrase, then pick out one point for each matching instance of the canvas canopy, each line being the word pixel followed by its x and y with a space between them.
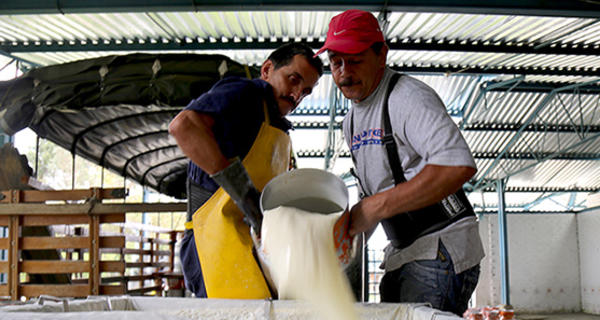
pixel 115 110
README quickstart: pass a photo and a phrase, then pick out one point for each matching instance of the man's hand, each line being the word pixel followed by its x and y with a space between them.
pixel 235 181
pixel 366 214
pixel 431 185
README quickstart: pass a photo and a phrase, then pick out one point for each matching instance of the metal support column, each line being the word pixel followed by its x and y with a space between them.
pixel 330 147
pixel 4 138
pixel 145 198
pixel 502 232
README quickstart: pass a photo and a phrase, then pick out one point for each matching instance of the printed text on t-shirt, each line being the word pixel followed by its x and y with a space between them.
pixel 367 137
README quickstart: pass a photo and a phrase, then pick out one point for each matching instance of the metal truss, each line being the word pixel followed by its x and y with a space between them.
pixel 22 64
pixel 340 110
pixel 553 103
pixel 565 8
pixel 491 187
pixel 477 127
pixel 10 48
pixel 191 43
pixel 476 155
pixel 537 156
pixel 493 210
pixel 492 126
pixel 567 204
pixel 316 125
pixel 335 98
pixel 484 88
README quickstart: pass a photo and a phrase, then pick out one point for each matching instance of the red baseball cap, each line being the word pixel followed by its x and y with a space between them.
pixel 352 31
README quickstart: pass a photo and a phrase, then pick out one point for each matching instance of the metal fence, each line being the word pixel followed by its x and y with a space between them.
pixel 375 257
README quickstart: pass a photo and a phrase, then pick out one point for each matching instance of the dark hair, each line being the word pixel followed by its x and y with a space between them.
pixel 377 46
pixel 283 56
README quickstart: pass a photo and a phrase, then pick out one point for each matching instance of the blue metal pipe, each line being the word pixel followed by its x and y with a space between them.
pixel 502 232
pixel 484 88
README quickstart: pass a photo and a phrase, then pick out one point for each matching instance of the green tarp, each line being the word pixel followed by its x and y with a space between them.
pixel 115 110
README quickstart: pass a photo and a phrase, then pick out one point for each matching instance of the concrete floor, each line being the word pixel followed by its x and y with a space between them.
pixel 558 316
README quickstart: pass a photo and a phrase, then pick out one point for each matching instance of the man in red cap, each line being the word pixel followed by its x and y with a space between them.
pixel 411 162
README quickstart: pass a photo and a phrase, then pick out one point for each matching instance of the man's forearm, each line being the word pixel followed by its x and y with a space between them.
pixel 194 136
pixel 431 185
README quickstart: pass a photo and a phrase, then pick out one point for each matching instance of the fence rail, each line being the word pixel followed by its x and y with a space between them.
pixel 83 260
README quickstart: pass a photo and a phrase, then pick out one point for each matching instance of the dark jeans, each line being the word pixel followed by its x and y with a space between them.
pixel 432 281
pixel 190 263
pixel 192 273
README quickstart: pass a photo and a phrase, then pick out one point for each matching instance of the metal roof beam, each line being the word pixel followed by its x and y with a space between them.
pixel 536 156
pixel 479 127
pixel 335 102
pixel 583 139
pixel 532 127
pixel 305 110
pixel 478 70
pixel 28 64
pixel 477 210
pixel 315 125
pixel 551 197
pixel 480 155
pixel 466 112
pixel 541 189
pixel 542 87
pixel 563 8
pixel 452 45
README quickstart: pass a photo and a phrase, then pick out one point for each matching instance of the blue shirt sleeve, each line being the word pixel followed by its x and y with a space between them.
pixel 236 105
pixel 226 96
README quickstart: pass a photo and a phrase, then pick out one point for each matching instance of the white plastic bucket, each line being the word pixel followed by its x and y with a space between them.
pixel 303 189
pixel 318 191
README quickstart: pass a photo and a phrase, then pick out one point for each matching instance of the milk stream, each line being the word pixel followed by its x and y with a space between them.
pixel 300 251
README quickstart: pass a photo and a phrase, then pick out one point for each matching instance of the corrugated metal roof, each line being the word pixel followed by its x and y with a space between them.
pixel 113 30
pixel 457 52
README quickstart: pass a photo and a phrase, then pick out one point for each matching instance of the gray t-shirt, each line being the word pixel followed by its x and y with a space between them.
pixel 424 134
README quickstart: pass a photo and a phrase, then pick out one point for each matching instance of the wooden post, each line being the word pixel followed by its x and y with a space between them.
pixel 124 282
pixel 94 268
pixel 141 257
pixel 173 236
pixel 154 246
pixel 78 232
pixel 13 258
pixel 13 252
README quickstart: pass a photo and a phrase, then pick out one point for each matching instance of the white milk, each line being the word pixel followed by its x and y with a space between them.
pixel 303 263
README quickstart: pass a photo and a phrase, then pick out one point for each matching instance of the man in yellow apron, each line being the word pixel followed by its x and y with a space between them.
pixel 237 119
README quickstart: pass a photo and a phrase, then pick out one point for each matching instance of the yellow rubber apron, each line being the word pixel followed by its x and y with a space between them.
pixel 223 239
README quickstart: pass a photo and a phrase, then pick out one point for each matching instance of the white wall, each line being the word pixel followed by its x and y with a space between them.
pixel 543 263
pixel 589 251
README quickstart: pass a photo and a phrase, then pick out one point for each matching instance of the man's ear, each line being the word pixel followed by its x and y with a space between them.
pixel 265 69
pixel 383 55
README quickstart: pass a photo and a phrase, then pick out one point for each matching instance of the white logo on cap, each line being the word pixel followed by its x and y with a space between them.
pixel 335 33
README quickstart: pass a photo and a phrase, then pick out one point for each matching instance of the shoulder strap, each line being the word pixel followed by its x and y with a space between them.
pixel 388 135
pixel 388 138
